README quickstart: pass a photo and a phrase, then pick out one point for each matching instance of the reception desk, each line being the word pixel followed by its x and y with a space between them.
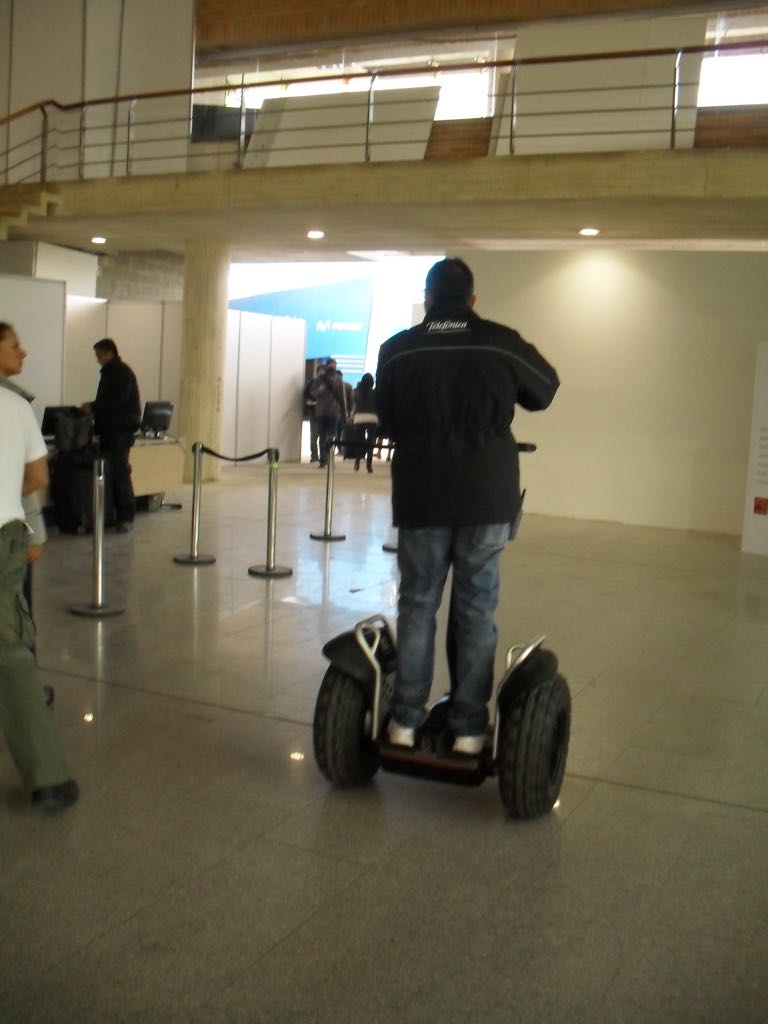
pixel 157 465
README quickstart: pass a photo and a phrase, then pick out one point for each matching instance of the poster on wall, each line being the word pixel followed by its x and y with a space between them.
pixel 754 538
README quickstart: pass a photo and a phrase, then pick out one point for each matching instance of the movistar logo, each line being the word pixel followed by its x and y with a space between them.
pixel 447 325
pixel 337 325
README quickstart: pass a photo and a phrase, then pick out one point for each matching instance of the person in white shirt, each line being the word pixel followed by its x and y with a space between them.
pixel 25 722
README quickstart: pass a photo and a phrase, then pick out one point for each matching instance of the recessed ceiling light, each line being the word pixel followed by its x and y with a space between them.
pixel 98 240
pixel 590 232
pixel 315 233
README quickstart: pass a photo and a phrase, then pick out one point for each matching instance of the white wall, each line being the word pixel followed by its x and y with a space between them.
pixel 147 335
pixel 86 323
pixel 755 535
pixel 36 310
pixel 555 103
pixel 74 50
pixel 263 384
pixel 656 353
pixel 78 270
pixel 5 63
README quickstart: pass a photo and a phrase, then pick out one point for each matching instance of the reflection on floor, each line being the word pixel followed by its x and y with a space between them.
pixel 209 874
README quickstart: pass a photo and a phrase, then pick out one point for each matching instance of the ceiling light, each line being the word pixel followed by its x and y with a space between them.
pixel 315 233
pixel 98 240
pixel 589 232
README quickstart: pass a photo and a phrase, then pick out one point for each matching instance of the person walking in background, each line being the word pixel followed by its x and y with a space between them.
pixel 364 421
pixel 310 411
pixel 446 395
pixel 330 407
pixel 26 724
pixel 117 416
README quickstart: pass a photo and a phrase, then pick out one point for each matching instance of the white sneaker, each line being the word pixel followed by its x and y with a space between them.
pixel 400 735
pixel 468 744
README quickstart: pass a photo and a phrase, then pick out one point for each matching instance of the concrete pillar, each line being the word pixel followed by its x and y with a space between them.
pixel 206 277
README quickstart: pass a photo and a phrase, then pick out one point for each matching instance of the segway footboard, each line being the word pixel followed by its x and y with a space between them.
pixel 533 729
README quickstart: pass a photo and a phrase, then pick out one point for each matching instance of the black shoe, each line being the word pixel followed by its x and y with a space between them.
pixel 56 798
pixel 124 527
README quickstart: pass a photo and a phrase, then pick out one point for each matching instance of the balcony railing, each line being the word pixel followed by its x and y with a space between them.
pixel 633 100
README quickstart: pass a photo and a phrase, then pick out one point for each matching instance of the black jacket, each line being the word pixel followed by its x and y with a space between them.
pixel 117 408
pixel 446 395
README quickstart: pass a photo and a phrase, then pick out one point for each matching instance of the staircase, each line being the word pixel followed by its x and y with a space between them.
pixel 20 202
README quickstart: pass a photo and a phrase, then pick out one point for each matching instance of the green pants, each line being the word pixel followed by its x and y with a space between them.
pixel 26 722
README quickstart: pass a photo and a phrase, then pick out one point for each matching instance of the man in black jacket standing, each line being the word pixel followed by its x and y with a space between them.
pixel 447 391
pixel 117 417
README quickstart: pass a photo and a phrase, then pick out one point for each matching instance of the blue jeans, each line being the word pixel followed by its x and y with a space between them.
pixel 424 557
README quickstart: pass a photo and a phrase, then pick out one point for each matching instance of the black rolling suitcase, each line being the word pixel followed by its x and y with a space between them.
pixel 72 492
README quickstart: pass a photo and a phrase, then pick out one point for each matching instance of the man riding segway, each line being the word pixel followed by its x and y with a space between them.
pixel 447 390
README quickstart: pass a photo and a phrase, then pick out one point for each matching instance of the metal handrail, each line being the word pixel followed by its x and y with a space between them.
pixel 755 46
pixel 124 149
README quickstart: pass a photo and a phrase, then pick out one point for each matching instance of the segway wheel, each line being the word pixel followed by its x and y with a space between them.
pixel 343 751
pixel 533 748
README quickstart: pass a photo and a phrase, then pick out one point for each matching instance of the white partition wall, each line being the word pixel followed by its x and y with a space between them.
pixel 136 329
pixel 86 323
pixel 147 335
pixel 229 384
pixel 263 383
pixel 253 384
pixel 754 538
pixel 36 310
pixel 286 386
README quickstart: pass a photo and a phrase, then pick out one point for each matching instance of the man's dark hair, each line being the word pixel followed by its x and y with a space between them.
pixel 4 329
pixel 450 280
pixel 106 345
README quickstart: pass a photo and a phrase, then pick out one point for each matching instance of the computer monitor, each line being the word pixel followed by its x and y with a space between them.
pixel 156 420
pixel 51 416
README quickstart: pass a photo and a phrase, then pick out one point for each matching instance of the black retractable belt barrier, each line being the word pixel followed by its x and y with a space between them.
pixel 98 607
pixel 194 557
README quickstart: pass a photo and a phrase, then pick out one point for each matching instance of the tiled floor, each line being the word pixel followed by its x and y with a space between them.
pixel 207 876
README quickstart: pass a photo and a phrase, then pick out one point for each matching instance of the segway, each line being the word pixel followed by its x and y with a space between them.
pixel 526 744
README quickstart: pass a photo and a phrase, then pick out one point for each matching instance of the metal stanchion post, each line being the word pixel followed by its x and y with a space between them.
pixel 328 533
pixel 270 569
pixel 194 557
pixel 98 608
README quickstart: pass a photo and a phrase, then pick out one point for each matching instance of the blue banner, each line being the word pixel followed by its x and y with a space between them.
pixel 337 315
